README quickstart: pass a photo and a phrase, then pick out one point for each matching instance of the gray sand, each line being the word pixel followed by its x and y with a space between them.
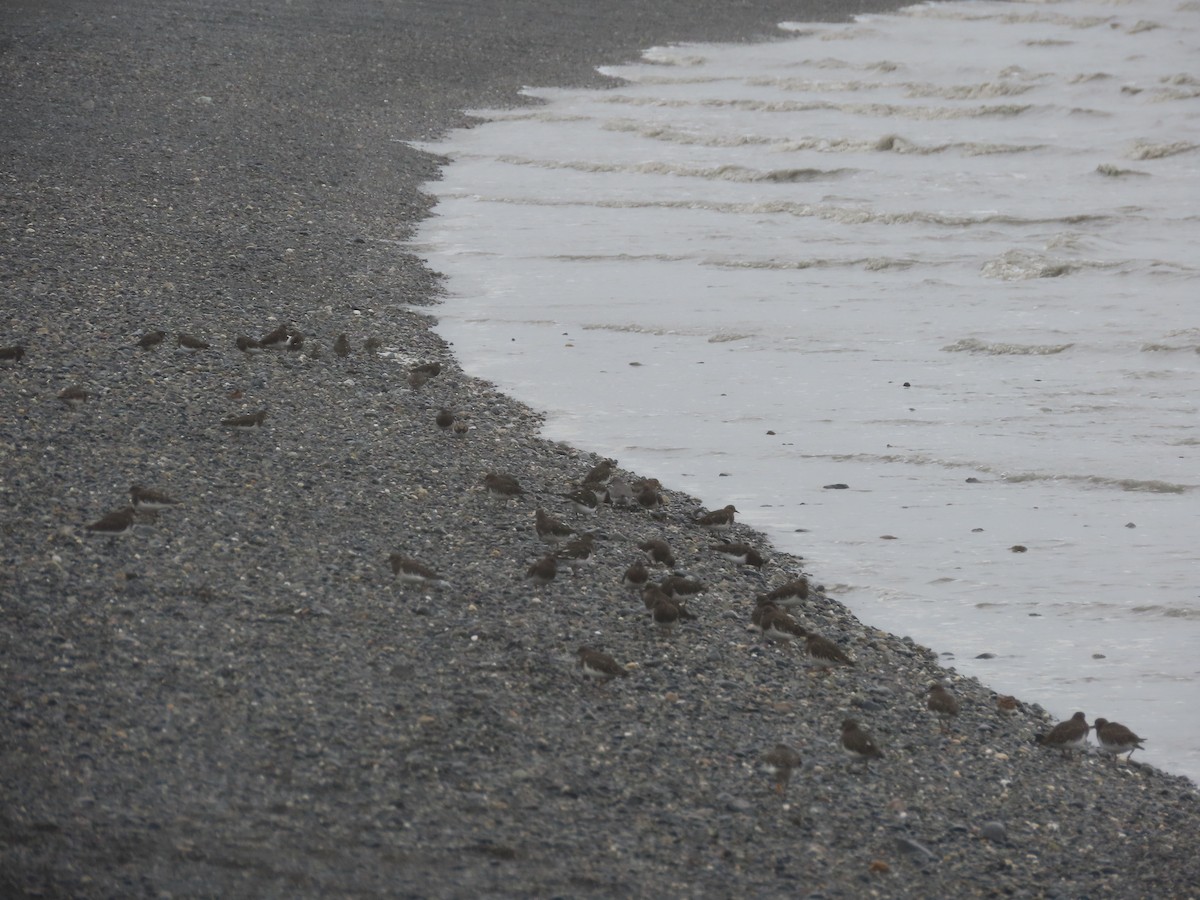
pixel 236 699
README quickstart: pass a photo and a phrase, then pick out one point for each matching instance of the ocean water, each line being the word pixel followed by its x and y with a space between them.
pixel 945 257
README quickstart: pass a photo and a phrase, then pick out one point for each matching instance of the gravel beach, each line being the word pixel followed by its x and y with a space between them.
pixel 237 697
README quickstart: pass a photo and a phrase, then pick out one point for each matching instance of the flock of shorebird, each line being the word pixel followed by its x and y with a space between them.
pixel 146 503
pixel 666 599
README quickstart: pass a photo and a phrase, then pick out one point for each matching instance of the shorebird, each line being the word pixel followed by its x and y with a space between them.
pixel 543 571
pixel 247 422
pixel 790 594
pixel 1114 738
pixel 191 342
pixel 550 529
pixel 618 493
pixel 780 760
pixel 600 473
pixel 859 744
pixel 114 524
pixel 144 498
pixel 742 554
pixel 410 571
pixel 583 501
pixel 636 576
pixel 1007 705
pixel 73 396
pixel 824 653
pixel 681 586
pixel 246 344
pixel 342 345
pixel 944 703
pixel 595 664
pixel 151 339
pixel 775 624
pixel 578 552
pixel 1066 736
pixel 12 354
pixel 658 551
pixel 444 419
pixel 719 520
pixel 501 486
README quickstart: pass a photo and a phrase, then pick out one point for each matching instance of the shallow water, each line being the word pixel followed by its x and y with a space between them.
pixel 953 243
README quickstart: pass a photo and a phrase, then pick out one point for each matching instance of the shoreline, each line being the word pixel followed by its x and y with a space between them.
pixel 237 700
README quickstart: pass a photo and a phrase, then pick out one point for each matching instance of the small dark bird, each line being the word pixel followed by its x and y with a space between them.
pixel 246 344
pixel 430 369
pixel 549 529
pixel 73 396
pixel 791 594
pixel 681 586
pixel 543 571
pixel 280 338
pixel 636 576
pixel 649 494
pixel 460 428
pixel 191 342
pixel 583 501
pixel 666 613
pixel 151 339
pixel 824 653
pixel 410 571
pixel 416 380
pixel 600 472
pixel 719 520
pixel 742 554
pixel 1066 736
pixel 859 744
pixel 114 524
pixel 145 498
pixel 342 345
pixel 658 551
pixel 780 760
pixel 12 354
pixel 776 625
pixel 595 664
pixel 1115 739
pixel 372 344
pixel 247 422
pixel 445 418
pixel 502 486
pixel 1007 705
pixel 577 553
pixel 618 493
pixel 944 703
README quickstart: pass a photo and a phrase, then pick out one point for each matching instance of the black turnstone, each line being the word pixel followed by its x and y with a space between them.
pixel 191 342
pixel 789 594
pixel 151 339
pixel 636 576
pixel 780 761
pixel 12 354
pixel 601 666
pixel 719 520
pixel 501 486
pixel 410 571
pixel 1066 736
pixel 858 743
pixel 583 501
pixel 600 473
pixel 280 338
pixel 824 653
pixel 577 553
pixel 681 586
pixel 549 529
pixel 1007 705
pixel 342 345
pixel 742 554
pixel 114 524
pixel 942 702
pixel 658 552
pixel 73 396
pixel 618 493
pixel 144 498
pixel 648 493
pixel 246 344
pixel 1114 738
pixel 444 419
pixel 247 422
pixel 543 571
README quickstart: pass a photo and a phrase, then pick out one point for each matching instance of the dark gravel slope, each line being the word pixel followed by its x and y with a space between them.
pixel 236 699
